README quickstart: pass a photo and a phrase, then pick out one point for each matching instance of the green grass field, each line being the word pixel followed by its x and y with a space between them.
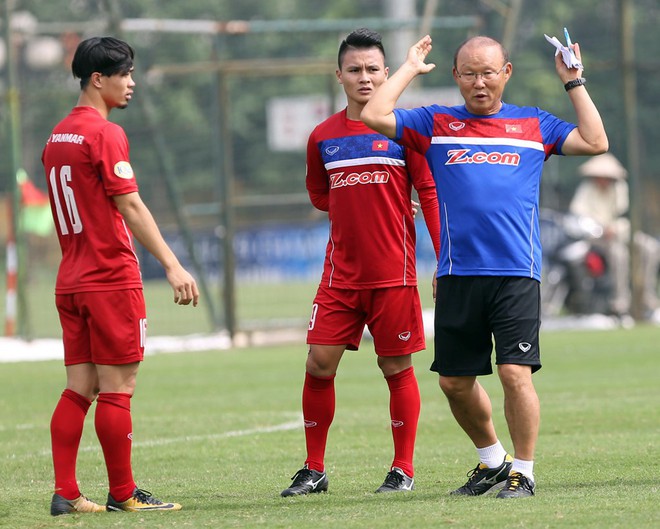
pixel 220 432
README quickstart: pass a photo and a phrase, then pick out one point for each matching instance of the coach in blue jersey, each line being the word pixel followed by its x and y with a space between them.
pixel 487 158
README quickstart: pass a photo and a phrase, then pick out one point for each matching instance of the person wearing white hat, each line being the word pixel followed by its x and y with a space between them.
pixel 603 196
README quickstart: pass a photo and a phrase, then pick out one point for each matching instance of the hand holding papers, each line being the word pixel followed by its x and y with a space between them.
pixel 567 53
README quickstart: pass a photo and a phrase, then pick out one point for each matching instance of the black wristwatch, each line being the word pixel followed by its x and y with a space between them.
pixel 575 82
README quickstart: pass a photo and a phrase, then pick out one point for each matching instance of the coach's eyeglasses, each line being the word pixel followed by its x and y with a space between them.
pixel 488 75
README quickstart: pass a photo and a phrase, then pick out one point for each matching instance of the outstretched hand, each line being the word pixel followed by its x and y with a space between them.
pixel 417 55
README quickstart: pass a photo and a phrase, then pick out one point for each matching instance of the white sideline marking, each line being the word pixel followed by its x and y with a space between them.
pixel 224 435
pixel 291 425
pixel 42 349
pixel 18 350
pixel 17 427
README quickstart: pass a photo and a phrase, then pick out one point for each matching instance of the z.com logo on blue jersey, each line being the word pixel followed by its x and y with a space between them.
pixel 461 156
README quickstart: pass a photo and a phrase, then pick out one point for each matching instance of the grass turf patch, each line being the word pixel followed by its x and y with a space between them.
pixel 221 433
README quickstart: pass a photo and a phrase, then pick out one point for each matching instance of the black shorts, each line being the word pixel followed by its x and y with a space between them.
pixel 471 311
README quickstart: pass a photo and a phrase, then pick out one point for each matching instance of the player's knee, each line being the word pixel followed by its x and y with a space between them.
pixel 515 377
pixel 323 360
pixel 393 365
pixel 320 366
pixel 455 387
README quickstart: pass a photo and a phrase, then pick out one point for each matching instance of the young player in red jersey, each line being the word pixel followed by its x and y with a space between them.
pixel 364 182
pixel 97 210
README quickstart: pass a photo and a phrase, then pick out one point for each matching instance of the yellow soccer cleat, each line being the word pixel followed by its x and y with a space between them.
pixel 141 500
pixel 60 505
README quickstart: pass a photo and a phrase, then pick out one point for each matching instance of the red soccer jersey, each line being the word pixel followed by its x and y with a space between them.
pixel 86 162
pixel 364 180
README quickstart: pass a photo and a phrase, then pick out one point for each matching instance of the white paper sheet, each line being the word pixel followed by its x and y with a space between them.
pixel 567 54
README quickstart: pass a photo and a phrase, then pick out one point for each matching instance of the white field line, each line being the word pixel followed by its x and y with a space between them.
pixel 291 425
pixel 17 350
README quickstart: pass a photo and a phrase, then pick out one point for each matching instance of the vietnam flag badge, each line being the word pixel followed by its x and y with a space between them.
pixel 380 145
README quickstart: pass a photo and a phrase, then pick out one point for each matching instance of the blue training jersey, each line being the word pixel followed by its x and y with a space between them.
pixel 487 172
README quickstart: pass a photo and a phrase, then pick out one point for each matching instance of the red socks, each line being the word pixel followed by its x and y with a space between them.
pixel 404 410
pixel 66 427
pixel 114 428
pixel 318 405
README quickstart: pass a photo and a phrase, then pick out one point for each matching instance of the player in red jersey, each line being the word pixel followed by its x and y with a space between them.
pixel 97 210
pixel 364 182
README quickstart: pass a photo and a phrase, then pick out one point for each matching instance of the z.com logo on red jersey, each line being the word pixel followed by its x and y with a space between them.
pixel 461 156
pixel 352 179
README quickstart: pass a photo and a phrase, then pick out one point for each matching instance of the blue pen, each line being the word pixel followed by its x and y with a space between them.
pixel 568 42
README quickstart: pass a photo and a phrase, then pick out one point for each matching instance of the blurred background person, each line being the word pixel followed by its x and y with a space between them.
pixel 603 196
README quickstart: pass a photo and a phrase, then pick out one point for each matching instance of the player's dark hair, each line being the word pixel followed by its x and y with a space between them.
pixel 360 39
pixel 484 41
pixel 105 55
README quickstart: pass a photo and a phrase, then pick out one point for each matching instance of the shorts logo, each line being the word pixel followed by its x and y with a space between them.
pixel 524 346
pixel 456 125
pixel 124 170
pixel 397 424
pixel 130 436
pixel 310 424
pixel 405 336
pixel 330 151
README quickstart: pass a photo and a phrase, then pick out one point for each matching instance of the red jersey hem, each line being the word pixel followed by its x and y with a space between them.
pixel 99 288
pixel 369 286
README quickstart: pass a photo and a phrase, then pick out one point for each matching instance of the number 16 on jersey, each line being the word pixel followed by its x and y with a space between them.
pixel 62 192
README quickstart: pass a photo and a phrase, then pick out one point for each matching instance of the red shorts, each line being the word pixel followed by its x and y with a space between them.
pixel 393 315
pixel 107 328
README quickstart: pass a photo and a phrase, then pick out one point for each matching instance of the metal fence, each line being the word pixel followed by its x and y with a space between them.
pixel 217 142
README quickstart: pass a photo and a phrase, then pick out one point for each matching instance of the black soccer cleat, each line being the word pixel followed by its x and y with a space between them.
pixel 483 479
pixel 396 481
pixel 517 486
pixel 306 481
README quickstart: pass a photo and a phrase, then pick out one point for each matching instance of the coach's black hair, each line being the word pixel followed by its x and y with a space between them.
pixel 105 55
pixel 360 39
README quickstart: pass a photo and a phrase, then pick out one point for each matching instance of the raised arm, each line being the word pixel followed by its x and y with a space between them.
pixel 378 112
pixel 589 137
